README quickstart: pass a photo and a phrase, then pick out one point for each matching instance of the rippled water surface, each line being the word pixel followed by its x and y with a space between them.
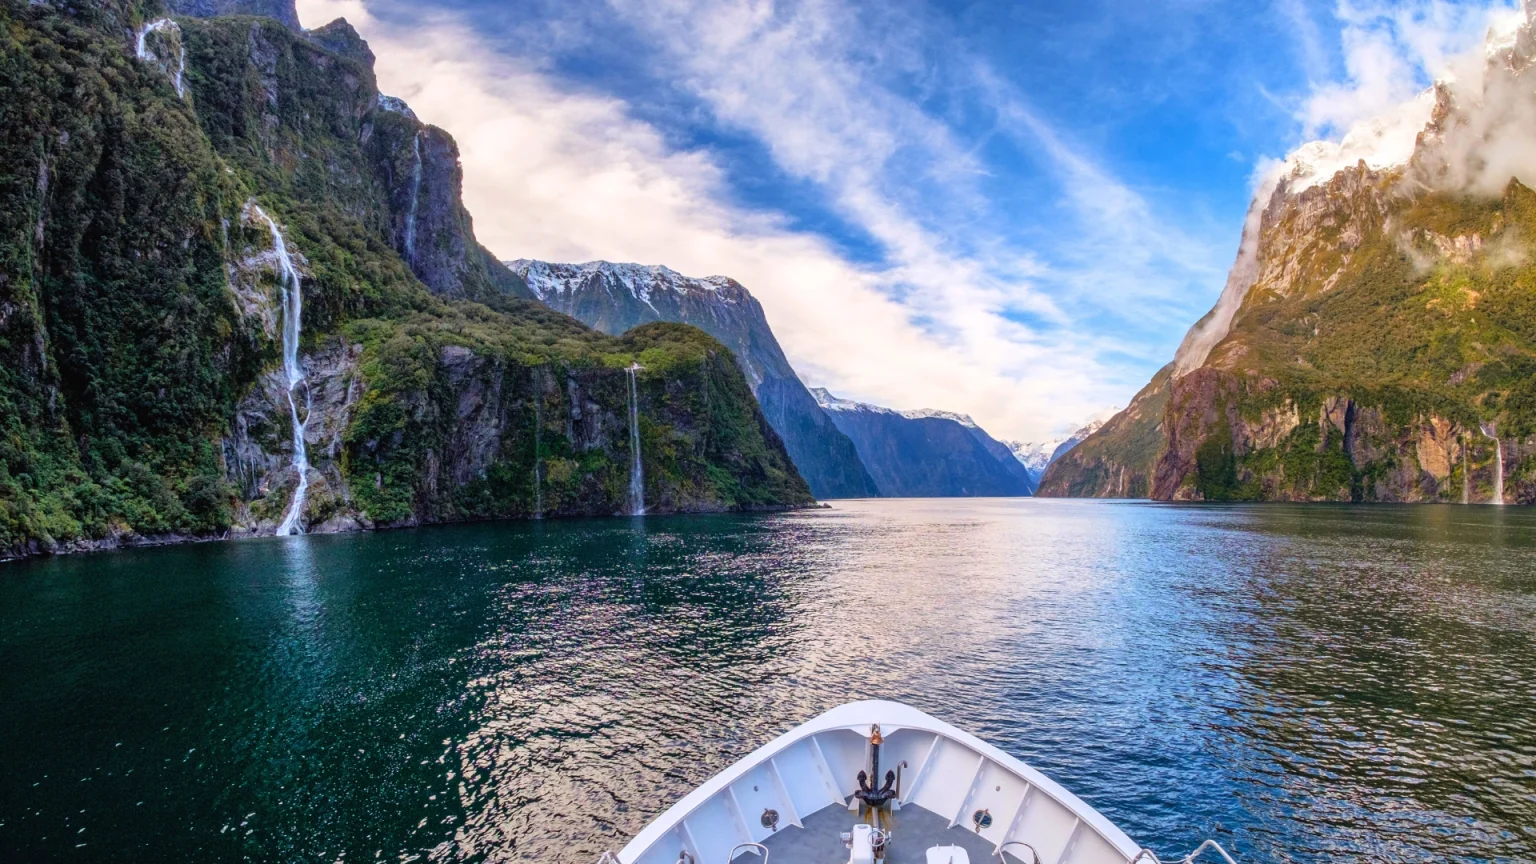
pixel 1303 683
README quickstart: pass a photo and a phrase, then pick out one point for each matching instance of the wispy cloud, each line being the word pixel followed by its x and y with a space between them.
pixel 957 312
pixel 1304 31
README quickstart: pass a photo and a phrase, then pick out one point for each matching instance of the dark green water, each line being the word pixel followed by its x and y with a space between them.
pixel 1303 683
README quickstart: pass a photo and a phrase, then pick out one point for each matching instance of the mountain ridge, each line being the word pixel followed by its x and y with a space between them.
pixel 927 453
pixel 614 297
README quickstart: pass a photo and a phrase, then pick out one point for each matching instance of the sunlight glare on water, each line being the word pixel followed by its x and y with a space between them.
pixel 1302 683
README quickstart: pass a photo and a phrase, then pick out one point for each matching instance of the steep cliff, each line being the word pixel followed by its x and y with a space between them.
pixel 615 297
pixel 927 454
pixel 177 197
pixel 1119 457
pixel 1377 337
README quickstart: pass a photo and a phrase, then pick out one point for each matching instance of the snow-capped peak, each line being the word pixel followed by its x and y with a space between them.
pixel 1034 455
pixel 642 281
pixel 828 402
pixel 936 414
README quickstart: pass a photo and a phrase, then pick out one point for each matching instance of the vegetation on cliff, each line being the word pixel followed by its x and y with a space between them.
pixel 138 314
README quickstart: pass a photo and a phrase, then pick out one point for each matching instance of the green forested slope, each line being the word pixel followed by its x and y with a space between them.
pixel 139 315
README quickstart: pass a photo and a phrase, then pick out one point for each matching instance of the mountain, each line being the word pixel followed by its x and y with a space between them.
pixel 238 290
pixel 1376 339
pixel 1037 456
pixel 1118 458
pixel 616 297
pixel 927 454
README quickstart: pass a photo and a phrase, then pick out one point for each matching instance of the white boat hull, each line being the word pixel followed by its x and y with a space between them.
pixel 808 777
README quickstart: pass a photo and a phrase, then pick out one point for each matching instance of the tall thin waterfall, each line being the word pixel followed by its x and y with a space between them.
pixel 1491 431
pixel 1466 474
pixel 410 219
pixel 293 309
pixel 636 470
pixel 143 52
pixel 538 455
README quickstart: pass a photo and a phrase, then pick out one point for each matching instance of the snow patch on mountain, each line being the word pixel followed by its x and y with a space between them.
pixel 1034 455
pixel 935 414
pixel 642 281
pixel 827 401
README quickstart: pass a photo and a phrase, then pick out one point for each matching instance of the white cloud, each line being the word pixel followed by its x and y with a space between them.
pixel 556 173
pixel 1393 51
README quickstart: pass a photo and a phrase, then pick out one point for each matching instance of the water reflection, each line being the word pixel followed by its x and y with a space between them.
pixel 1305 683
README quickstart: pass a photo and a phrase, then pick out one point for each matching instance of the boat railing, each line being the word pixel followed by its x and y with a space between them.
pixel 1149 855
pixel 1034 857
pixel 608 858
pixel 761 850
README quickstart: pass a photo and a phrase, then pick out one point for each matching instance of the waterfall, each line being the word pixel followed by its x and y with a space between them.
pixel 157 26
pixel 538 454
pixel 636 470
pixel 293 307
pixel 1466 474
pixel 1492 432
pixel 410 219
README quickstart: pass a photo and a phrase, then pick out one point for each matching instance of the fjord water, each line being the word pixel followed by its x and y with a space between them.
pixel 1303 683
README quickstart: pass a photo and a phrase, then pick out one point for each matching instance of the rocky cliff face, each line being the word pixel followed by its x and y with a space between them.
pixel 142 309
pixel 282 11
pixel 927 454
pixel 1377 340
pixel 1115 459
pixel 616 297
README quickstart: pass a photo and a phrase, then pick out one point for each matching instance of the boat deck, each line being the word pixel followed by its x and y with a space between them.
pixel 915 831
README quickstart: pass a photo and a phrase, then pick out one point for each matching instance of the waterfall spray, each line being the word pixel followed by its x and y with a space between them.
pixel 293 307
pixel 161 25
pixel 1492 432
pixel 410 219
pixel 636 470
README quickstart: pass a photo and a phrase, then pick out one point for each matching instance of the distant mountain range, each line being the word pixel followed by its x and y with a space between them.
pixel 1036 456
pixel 842 449
pixel 616 297
pixel 927 454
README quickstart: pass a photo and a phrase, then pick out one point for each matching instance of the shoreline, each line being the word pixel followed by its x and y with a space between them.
pixel 36 549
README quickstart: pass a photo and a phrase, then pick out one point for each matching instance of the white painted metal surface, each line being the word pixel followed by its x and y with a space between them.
pixel 947 772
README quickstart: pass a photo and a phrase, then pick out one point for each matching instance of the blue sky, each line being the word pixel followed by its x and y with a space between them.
pixel 1011 209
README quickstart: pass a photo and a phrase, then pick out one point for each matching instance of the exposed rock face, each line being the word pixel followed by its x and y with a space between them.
pixel 281 10
pixel 1119 458
pixel 432 230
pixel 1384 322
pixel 615 297
pixel 927 454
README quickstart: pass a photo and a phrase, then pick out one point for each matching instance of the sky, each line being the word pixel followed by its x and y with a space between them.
pixel 1012 209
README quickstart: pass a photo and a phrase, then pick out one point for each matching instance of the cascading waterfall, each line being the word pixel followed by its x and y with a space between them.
pixel 1492 432
pixel 410 219
pixel 636 470
pixel 293 307
pixel 157 26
